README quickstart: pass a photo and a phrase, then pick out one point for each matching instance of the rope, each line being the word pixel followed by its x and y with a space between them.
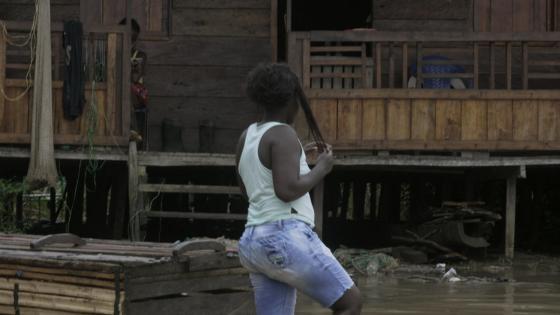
pixel 30 40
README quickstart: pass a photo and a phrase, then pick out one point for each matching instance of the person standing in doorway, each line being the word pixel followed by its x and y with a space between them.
pixel 279 247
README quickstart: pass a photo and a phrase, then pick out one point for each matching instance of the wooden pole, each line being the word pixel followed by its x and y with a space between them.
pixel 318 195
pixel 134 226
pixel 510 215
pixel 2 72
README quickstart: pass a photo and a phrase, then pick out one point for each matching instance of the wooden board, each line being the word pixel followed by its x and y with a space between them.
pixel 474 121
pixel 211 50
pixel 549 117
pixel 398 119
pixel 373 124
pixel 223 4
pixel 423 120
pixel 326 113
pixel 448 120
pixel 525 120
pixel 349 120
pixel 223 22
pixel 197 81
pixel 500 120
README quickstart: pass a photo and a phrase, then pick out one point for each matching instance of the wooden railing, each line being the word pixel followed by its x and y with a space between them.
pixel 360 90
pixel 370 59
pixel 105 119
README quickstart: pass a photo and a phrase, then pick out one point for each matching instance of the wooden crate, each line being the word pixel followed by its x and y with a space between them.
pixel 63 274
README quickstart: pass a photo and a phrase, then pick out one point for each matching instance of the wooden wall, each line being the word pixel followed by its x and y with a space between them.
pixel 23 10
pixel 425 15
pixel 199 72
pixel 437 120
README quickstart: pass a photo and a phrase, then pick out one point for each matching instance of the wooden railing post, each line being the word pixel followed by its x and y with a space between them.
pixel 419 79
pixel 508 65
pixel 404 65
pixel 378 73
pixel 306 63
pixel 525 75
pixel 126 107
pixel 110 123
pixel 492 65
pixel 134 212
pixel 475 65
pixel 2 72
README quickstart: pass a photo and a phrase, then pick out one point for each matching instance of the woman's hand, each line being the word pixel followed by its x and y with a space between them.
pixel 311 151
pixel 325 161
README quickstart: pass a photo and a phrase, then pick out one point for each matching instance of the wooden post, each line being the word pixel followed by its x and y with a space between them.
pixel 125 95
pixel 525 77
pixel 2 71
pixel 391 66
pixel 510 215
pixel 378 65
pixel 492 65
pixel 419 79
pixel 508 65
pixel 364 67
pixel 306 71
pixel 274 30
pixel 19 209
pixel 111 122
pixel 405 66
pixel 52 204
pixel 476 65
pixel 134 223
pixel 318 195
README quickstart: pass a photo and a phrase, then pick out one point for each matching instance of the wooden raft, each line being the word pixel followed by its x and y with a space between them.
pixel 63 274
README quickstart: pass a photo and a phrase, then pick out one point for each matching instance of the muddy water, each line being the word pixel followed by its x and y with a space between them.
pixel 525 292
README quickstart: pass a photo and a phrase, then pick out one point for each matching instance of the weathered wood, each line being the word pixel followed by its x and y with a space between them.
pixel 62 303
pixel 508 65
pixel 500 120
pixel 305 63
pixel 273 29
pixel 223 4
pixel 211 50
pixel 492 65
pixel 423 120
pixel 448 120
pixel 373 113
pixel 398 119
pixel 196 215
pixel 525 120
pixel 511 190
pixel 133 191
pixel 476 65
pixel 223 22
pixel 426 10
pixel 474 123
pixel 2 75
pixel 185 159
pixel 326 114
pixel 525 65
pixel 349 122
pixel 377 64
pixel 404 65
pixel 549 117
pixel 197 81
pixel 66 238
pixel 193 189
pixel 434 94
pixel 111 105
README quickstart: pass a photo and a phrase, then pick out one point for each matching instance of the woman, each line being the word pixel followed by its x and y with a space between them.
pixel 279 248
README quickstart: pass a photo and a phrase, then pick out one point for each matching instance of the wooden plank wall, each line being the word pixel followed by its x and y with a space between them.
pixel 22 10
pixel 514 15
pixel 426 15
pixel 437 124
pixel 199 73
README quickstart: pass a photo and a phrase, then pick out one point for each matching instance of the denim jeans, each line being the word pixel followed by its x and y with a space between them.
pixel 285 256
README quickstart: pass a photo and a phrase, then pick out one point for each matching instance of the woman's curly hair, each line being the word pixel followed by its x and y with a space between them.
pixel 272 85
pixel 275 85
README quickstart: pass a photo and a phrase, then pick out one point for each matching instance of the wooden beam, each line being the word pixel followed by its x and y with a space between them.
pixel 434 37
pixel 111 122
pixel 185 159
pixel 274 30
pixel 190 189
pixel 196 215
pixel 306 63
pixel 434 94
pixel 511 191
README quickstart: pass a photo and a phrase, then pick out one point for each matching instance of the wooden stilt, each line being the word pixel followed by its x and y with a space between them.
pixel 318 195
pixel 119 195
pixel 510 216
pixel 134 223
pixel 52 205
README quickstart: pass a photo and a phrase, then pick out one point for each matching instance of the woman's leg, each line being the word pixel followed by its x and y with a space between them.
pixel 349 304
pixel 272 297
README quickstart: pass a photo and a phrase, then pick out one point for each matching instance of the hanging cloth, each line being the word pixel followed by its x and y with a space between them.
pixel 42 167
pixel 73 98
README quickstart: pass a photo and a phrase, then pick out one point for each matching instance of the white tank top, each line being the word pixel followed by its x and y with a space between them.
pixel 264 205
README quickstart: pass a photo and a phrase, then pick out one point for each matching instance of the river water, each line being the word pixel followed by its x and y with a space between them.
pixel 532 286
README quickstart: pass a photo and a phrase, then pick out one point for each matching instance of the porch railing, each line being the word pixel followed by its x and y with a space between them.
pixel 371 59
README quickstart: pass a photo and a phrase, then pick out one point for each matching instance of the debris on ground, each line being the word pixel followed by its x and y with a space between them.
pixel 366 262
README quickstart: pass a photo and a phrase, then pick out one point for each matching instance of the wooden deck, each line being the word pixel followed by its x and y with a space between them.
pixel 358 86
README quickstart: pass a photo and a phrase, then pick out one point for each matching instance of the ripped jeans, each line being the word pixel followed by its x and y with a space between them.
pixel 285 256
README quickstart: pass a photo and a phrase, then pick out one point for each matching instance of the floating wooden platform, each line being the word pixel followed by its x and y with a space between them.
pixel 68 275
